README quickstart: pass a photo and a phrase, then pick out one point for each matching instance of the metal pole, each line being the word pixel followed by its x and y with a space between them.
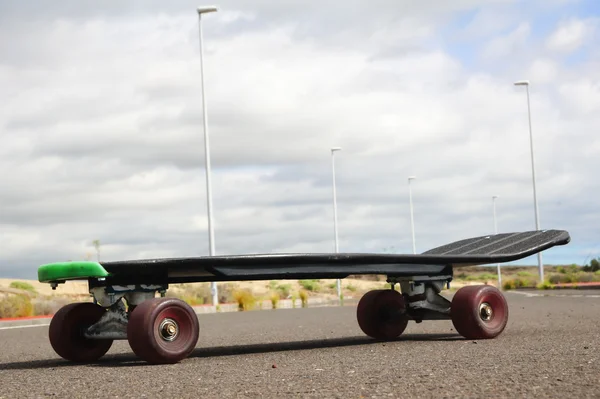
pixel 335 227
pixel 412 222
pixel 211 239
pixel 496 232
pixel 537 220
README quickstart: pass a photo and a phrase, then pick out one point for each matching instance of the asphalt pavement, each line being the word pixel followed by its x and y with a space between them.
pixel 550 349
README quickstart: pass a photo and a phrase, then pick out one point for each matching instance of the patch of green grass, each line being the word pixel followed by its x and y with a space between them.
pixel 294 297
pixel 351 288
pixel 481 277
pixel 546 285
pixel 310 285
pixel 579 277
pixel 523 273
pixel 21 285
pixel 518 283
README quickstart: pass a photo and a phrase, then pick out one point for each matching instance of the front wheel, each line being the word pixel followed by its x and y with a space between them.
pixel 479 312
pixel 163 330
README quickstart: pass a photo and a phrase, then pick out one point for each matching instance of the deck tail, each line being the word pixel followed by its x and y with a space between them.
pixel 500 246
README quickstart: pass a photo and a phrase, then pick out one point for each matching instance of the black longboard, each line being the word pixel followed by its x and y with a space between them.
pixel 166 330
pixel 481 250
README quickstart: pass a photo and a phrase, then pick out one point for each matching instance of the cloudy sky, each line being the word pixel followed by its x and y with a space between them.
pixel 101 126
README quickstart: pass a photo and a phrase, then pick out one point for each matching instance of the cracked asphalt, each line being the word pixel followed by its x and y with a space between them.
pixel 550 348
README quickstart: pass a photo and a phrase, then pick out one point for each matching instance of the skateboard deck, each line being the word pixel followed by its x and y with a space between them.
pixel 437 261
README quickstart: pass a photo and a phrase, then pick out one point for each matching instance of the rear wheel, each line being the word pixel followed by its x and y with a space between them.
pixel 66 332
pixel 163 330
pixel 380 316
pixel 479 312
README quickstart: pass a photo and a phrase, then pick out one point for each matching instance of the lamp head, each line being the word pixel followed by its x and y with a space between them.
pixel 207 9
pixel 522 83
pixel 336 149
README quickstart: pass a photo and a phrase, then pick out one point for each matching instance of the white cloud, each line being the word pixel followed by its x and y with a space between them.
pixel 571 34
pixel 543 70
pixel 102 136
pixel 582 96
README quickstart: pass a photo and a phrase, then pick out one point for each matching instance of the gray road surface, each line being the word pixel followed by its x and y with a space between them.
pixel 551 348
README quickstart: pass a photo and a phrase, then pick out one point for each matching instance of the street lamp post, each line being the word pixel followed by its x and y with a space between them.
pixel 211 234
pixel 496 232
pixel 535 203
pixel 412 222
pixel 335 227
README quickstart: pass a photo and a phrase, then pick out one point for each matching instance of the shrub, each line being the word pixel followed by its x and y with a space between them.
pixel 226 293
pixel 21 285
pixel 561 269
pixel 310 285
pixel 509 285
pixel 193 295
pixel 519 283
pixel 523 273
pixel 304 298
pixel 244 299
pixel 351 288
pixel 274 300
pixel 555 279
pixel 573 268
pixel 584 277
pixel 284 290
pixel 544 286
pixel 16 306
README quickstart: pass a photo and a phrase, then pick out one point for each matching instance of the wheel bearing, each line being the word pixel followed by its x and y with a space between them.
pixel 168 329
pixel 485 311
